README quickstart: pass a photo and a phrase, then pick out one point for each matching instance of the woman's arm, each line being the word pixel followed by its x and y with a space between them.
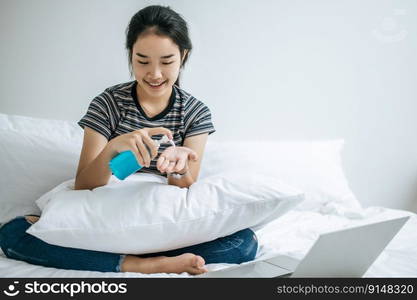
pixel 198 144
pixel 93 170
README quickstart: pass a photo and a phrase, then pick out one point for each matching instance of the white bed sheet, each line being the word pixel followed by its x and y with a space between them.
pixel 292 234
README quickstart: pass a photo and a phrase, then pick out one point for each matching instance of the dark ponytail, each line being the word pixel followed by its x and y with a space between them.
pixel 162 21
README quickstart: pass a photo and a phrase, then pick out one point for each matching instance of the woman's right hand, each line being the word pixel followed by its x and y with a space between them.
pixel 135 141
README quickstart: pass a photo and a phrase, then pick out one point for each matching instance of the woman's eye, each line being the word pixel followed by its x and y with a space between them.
pixel 145 63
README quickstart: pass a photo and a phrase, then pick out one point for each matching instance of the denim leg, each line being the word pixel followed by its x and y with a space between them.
pixel 17 244
pixel 233 249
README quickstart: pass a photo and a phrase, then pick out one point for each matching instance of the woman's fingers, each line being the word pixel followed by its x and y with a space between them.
pixel 146 159
pixel 138 157
pixel 151 145
pixel 170 167
pixel 164 165
pixel 137 153
pixel 159 162
pixel 180 164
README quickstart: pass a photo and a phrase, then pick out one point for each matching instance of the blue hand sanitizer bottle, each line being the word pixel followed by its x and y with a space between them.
pixel 125 163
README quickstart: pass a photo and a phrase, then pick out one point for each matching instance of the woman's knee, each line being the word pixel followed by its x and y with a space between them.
pixel 249 246
pixel 12 232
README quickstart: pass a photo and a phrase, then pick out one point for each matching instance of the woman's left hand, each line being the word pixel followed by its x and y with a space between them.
pixel 175 159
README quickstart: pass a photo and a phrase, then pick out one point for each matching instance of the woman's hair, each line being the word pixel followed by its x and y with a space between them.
pixel 162 21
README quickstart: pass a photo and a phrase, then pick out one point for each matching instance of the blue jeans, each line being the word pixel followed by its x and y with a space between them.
pixel 17 244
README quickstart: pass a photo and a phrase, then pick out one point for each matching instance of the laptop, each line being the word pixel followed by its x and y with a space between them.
pixel 342 253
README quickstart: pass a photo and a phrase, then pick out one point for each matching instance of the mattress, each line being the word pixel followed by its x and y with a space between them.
pixel 292 234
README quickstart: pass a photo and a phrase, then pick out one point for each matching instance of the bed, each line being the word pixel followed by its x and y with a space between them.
pixel 50 149
pixel 291 235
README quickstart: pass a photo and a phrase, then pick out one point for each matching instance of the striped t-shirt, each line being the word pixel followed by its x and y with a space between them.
pixel 117 111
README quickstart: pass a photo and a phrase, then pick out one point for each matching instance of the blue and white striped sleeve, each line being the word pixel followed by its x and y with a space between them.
pixel 199 120
pixel 100 115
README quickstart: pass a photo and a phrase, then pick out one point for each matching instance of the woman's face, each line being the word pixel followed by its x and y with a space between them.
pixel 156 64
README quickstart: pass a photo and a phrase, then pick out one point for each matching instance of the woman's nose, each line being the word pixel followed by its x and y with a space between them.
pixel 155 73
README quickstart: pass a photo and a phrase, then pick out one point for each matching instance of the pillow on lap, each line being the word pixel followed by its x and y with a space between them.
pixel 143 214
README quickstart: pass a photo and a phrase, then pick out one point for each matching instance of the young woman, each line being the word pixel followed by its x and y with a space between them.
pixel 125 117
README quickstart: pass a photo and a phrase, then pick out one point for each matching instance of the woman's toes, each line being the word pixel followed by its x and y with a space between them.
pixel 199 262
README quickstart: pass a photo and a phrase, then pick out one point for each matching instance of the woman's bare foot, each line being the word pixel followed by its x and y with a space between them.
pixel 188 262
pixel 32 219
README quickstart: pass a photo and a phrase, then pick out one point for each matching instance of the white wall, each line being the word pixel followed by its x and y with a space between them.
pixel 301 69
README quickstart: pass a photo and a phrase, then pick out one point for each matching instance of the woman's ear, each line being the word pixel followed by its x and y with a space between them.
pixel 184 55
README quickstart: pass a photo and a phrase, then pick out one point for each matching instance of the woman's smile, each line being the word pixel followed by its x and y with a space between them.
pixel 156 85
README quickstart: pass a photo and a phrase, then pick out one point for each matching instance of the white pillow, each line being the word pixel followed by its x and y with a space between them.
pixel 143 214
pixel 315 167
pixel 35 155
